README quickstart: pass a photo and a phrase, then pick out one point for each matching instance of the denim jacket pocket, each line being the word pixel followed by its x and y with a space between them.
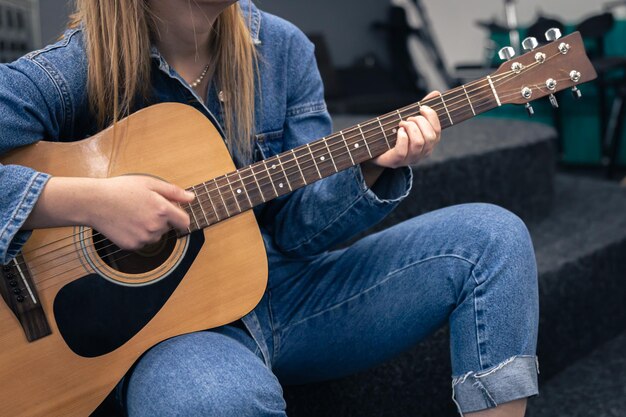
pixel 269 143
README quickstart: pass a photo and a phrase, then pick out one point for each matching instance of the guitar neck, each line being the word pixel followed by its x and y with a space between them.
pixel 231 194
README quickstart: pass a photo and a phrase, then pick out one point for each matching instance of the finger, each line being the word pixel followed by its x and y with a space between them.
pixel 401 150
pixel 432 94
pixel 393 158
pixel 432 117
pixel 416 140
pixel 176 216
pixel 428 133
pixel 172 192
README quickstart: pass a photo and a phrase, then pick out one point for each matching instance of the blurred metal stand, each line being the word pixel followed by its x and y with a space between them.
pixel 510 12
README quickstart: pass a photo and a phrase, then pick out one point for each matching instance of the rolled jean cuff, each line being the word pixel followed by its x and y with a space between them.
pixel 510 380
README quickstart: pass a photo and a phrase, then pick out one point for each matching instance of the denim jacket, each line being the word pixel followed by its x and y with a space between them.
pixel 43 97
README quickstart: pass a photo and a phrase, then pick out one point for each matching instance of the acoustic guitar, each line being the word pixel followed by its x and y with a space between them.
pixel 79 311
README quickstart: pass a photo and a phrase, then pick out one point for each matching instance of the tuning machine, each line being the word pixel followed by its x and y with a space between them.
pixel 553 34
pixel 506 53
pixel 530 110
pixel 553 101
pixel 530 43
pixel 575 76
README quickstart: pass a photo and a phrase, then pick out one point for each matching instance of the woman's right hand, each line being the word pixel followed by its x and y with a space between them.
pixel 132 211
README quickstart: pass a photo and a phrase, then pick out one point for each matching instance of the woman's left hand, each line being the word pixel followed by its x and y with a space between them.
pixel 417 138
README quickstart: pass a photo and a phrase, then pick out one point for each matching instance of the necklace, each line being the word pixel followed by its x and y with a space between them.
pixel 200 78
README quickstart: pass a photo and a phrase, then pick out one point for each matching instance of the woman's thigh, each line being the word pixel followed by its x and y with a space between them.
pixel 353 308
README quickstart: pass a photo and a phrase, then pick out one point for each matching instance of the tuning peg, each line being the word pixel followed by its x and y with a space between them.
pixel 506 53
pixel 554 101
pixel 530 43
pixel 553 34
pixel 530 110
pixel 576 92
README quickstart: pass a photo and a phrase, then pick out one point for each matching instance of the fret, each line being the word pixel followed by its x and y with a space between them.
pixel 245 189
pixel 347 147
pixel 323 163
pixel 217 215
pixel 359 153
pixel 365 140
pixel 383 130
pixel 493 89
pixel 233 191
pixel 469 101
pixel 219 191
pixel 256 181
pixel 276 169
pixel 189 210
pixel 483 102
pixel 446 108
pixel 282 167
pixel 206 219
pixel 269 175
pixel 293 152
pixel 314 161
pixel 330 155
pixel 292 169
pixel 305 159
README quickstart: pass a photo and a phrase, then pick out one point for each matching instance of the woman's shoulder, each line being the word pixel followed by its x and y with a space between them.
pixel 66 56
pixel 54 76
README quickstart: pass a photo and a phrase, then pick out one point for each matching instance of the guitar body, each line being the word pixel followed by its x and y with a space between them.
pixel 104 315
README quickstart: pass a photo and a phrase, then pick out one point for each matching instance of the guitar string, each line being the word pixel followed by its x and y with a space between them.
pixel 96 234
pixel 384 116
pixel 348 138
pixel 478 102
pixel 92 252
pixel 259 177
pixel 206 220
pixel 462 99
pixel 407 108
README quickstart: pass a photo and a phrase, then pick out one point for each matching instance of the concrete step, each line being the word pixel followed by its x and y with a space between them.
pixel 580 250
pixel 594 386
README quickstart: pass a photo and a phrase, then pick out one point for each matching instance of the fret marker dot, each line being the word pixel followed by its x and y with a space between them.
pixel 356 145
pixel 322 158
pixel 280 185
pixel 273 166
pixel 395 131
pixel 238 191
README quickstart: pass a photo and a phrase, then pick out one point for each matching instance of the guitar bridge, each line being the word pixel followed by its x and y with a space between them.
pixel 19 293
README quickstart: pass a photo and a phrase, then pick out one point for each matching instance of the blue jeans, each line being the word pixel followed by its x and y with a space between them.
pixel 471 266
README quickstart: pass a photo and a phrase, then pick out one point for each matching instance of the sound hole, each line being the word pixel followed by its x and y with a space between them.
pixel 141 261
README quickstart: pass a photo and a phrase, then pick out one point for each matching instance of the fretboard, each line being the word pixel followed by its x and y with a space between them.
pixel 231 194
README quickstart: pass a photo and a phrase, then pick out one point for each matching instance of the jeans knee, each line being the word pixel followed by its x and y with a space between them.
pixel 499 230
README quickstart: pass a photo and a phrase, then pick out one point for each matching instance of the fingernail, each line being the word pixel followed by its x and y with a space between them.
pixel 189 194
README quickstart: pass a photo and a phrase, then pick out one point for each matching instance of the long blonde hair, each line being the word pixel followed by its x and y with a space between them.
pixel 117 41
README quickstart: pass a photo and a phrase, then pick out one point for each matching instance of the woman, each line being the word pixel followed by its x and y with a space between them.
pixel 255 75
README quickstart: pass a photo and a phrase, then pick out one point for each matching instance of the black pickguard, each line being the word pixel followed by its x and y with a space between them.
pixel 96 316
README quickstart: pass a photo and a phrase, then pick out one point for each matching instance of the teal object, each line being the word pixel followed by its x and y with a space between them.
pixel 580 119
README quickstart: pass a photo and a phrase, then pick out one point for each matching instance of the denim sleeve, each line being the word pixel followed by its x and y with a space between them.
pixel 321 215
pixel 30 109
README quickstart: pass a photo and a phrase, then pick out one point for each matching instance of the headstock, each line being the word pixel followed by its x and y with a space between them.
pixel 543 71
